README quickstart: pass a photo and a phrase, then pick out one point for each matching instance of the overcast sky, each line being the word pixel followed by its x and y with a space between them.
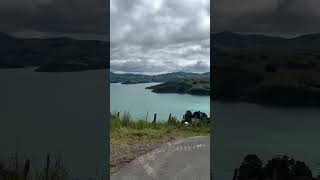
pixel 278 17
pixel 159 36
pixel 43 18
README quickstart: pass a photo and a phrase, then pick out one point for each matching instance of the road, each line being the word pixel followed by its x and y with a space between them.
pixel 181 159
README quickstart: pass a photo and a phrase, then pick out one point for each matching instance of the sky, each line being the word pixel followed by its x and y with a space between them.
pixel 159 36
pixel 276 17
pixel 84 19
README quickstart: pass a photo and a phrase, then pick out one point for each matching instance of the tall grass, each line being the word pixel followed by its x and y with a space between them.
pixel 20 168
pixel 126 126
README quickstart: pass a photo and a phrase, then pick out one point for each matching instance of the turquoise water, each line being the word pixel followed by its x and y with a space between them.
pixel 139 102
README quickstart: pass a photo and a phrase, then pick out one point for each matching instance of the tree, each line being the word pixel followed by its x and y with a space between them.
pixel 280 166
pixel 251 167
pixel 300 169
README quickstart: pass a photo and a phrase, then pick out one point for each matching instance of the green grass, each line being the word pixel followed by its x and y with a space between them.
pixel 127 133
pixel 126 128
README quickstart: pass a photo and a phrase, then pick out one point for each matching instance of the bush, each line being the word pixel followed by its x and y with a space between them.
pixel 251 167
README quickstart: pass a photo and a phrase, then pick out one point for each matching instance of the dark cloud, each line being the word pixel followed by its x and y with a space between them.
pixel 160 35
pixel 54 16
pixel 283 17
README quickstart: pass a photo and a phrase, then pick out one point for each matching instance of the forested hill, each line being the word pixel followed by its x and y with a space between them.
pixel 53 54
pixel 265 69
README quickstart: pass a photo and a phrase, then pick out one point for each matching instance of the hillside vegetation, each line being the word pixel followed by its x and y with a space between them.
pixel 195 86
pixel 53 54
pixel 266 70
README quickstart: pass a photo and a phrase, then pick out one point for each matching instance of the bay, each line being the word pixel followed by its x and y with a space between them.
pixel 139 102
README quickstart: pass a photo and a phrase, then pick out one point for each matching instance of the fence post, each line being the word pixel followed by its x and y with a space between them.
pixel 47 167
pixel 147 116
pixel 274 174
pixel 155 118
pixel 16 167
pixel 235 174
pixel 26 169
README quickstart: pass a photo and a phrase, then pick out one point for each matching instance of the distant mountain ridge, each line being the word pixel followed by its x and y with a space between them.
pixel 231 40
pixel 53 54
pixel 130 78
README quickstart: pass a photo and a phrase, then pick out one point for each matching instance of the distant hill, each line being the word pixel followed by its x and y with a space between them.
pixel 176 82
pixel 139 78
pixel 266 70
pixel 190 85
pixel 233 41
pixel 53 54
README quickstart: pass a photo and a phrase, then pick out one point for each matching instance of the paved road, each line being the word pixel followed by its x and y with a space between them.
pixel 181 159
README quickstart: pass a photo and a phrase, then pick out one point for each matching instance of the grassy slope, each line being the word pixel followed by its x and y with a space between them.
pixel 131 139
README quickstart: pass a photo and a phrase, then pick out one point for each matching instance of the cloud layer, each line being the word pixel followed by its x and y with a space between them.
pixel 160 36
pixel 283 17
pixel 47 17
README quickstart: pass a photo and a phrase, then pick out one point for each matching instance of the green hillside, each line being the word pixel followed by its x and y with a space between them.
pixel 195 86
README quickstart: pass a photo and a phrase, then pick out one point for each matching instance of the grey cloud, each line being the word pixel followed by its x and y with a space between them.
pixel 284 17
pixel 54 16
pixel 160 35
